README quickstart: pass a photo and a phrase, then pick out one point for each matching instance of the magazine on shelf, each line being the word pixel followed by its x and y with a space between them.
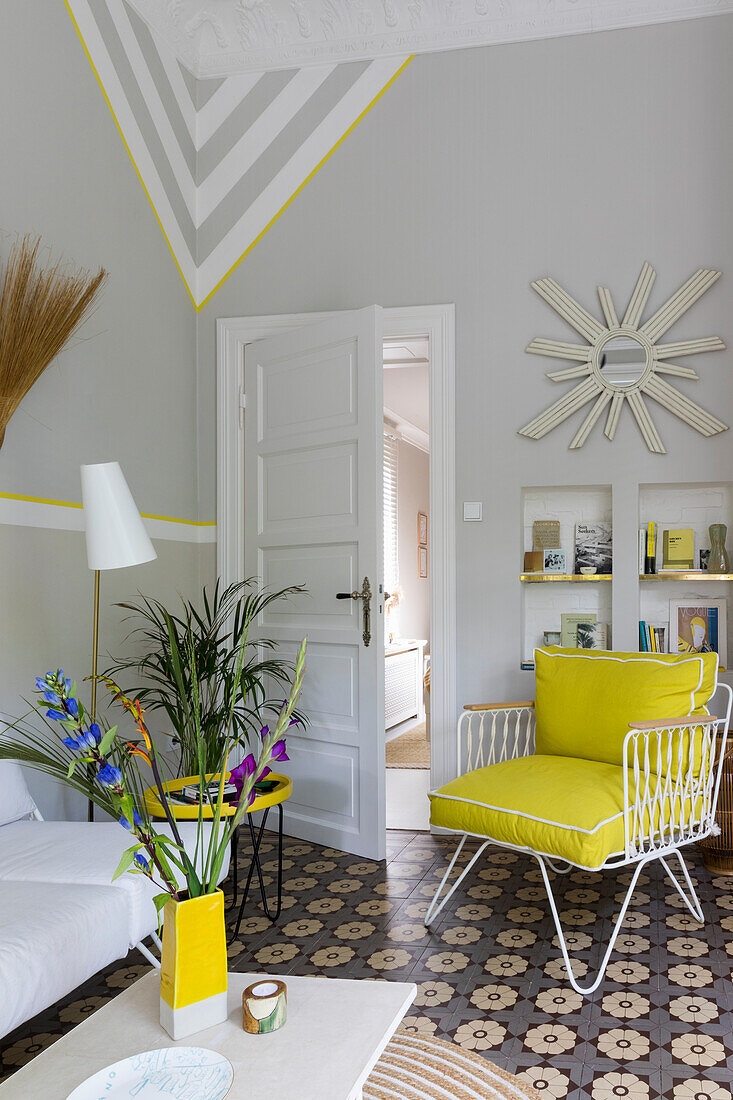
pixel 593 546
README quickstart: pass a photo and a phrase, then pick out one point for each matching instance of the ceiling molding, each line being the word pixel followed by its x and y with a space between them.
pixel 406 430
pixel 221 37
pixel 220 164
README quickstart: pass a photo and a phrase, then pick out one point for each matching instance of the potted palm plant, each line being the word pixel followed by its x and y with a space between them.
pixel 201 645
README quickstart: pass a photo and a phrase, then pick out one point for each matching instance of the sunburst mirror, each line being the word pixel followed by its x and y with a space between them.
pixel 622 361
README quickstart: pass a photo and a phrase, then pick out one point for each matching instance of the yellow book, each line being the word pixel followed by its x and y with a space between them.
pixel 678 549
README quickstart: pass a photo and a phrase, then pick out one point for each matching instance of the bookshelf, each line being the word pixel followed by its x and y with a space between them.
pixel 567 578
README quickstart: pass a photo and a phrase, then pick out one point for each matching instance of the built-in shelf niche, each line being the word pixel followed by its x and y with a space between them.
pixel 680 505
pixel 546 596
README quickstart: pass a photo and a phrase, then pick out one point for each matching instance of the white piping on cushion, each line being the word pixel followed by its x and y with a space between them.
pixel 534 851
pixel 529 817
pixel 643 661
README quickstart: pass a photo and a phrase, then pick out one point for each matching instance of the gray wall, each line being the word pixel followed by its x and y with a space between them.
pixel 125 388
pixel 481 170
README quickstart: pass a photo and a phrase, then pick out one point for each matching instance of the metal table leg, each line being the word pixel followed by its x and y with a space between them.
pixel 255 865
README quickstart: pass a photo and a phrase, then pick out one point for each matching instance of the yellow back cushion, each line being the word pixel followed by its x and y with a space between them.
pixel 586 700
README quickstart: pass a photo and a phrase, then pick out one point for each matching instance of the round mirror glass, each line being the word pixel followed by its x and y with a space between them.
pixel 622 362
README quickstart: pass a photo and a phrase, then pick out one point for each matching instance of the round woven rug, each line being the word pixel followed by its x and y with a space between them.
pixel 413 1068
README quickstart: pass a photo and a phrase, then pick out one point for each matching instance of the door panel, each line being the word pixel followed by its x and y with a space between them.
pixel 313 516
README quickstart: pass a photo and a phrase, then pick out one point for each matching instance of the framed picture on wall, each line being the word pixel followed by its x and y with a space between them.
pixel 422 529
pixel 700 627
pixel 422 562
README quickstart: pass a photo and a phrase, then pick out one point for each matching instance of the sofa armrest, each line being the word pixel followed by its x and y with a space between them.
pixel 490 733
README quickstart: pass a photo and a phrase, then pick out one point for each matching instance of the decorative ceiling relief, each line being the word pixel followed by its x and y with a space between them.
pixel 623 361
pixel 219 159
pixel 219 37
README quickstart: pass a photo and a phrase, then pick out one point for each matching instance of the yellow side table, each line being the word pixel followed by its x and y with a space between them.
pixel 264 801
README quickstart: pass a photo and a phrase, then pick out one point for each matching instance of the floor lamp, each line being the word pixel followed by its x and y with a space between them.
pixel 116 538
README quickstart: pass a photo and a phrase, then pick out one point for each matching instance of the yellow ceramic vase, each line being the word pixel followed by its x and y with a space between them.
pixel 193 971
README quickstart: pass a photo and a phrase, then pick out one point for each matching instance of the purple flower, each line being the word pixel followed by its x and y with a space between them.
pixel 242 772
pixel 109 776
pixel 264 732
pixel 278 751
pixel 263 774
pixel 56 715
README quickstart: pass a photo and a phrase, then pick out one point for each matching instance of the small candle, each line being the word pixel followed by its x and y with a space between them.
pixel 264 1006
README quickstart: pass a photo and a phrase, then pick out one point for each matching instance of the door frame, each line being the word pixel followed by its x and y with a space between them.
pixel 438 324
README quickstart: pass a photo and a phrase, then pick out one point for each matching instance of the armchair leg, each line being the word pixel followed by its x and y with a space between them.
pixel 692 902
pixel 434 908
pixel 614 935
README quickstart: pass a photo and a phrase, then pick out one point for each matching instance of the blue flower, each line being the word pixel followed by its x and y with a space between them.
pixel 41 683
pixel 56 715
pixel 142 862
pixel 125 823
pixel 109 776
pixel 73 707
pixel 71 743
pixel 96 733
pixel 136 821
pixel 67 684
pixel 52 698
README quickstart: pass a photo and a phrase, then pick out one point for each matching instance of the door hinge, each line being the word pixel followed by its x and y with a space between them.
pixel 242 407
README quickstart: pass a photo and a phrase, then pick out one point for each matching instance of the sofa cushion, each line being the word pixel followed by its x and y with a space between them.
pixel 567 808
pixel 53 938
pixel 585 700
pixel 86 853
pixel 15 798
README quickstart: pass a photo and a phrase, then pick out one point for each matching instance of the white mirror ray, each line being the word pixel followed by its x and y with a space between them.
pixel 622 361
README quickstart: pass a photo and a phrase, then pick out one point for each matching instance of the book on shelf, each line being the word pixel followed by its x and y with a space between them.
pixel 652 637
pixel 593 546
pixel 642 549
pixel 592 635
pixel 650 560
pixel 569 622
pixel 678 549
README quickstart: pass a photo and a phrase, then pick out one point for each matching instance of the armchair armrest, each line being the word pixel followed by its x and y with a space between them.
pixel 498 706
pixel 490 733
pixel 672 771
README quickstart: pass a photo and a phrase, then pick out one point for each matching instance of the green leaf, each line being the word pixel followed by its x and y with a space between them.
pixel 127 857
pixel 159 902
pixel 106 743
pixel 72 768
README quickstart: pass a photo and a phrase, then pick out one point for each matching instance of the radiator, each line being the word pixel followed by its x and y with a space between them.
pixel 402 686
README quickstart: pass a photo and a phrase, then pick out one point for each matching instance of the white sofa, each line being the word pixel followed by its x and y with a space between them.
pixel 61 917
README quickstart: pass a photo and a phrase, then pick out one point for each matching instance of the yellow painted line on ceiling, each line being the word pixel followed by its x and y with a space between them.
pixel 306 181
pixel 129 152
pixel 75 504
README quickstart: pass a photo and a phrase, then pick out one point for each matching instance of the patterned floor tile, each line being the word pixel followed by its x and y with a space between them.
pixel 489 972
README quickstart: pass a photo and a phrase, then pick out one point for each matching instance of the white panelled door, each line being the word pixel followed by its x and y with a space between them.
pixel 313 516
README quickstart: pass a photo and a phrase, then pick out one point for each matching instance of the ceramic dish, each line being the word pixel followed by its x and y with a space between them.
pixel 588 570
pixel 171 1073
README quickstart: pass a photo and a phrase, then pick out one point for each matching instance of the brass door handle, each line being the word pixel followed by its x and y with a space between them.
pixel 366 597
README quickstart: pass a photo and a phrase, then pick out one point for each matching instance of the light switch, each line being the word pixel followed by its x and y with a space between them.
pixel 472 510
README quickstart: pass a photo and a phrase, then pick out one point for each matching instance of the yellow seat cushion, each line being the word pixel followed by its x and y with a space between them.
pixel 585 700
pixel 567 808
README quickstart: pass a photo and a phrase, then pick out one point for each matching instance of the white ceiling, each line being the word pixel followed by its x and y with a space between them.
pixel 222 37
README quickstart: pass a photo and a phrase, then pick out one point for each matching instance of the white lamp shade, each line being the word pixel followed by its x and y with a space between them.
pixel 116 535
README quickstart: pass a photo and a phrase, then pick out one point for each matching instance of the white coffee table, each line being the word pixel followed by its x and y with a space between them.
pixel 334 1035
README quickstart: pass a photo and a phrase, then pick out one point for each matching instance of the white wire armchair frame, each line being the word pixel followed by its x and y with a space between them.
pixel 671 780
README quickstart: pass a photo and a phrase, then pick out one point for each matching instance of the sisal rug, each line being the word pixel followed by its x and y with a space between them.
pixel 414 1068
pixel 409 750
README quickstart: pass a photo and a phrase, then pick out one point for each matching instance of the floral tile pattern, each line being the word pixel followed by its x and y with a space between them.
pixel 489 972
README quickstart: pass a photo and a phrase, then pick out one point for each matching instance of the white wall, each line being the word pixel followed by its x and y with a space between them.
pixel 124 389
pixel 578 157
pixel 413 495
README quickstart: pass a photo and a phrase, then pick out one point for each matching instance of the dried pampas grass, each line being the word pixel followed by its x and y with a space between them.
pixel 40 309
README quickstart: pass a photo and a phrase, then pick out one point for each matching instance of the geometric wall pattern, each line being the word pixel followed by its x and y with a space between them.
pixel 220 159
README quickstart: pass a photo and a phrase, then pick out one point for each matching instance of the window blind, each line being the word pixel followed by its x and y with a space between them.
pixel 391 539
